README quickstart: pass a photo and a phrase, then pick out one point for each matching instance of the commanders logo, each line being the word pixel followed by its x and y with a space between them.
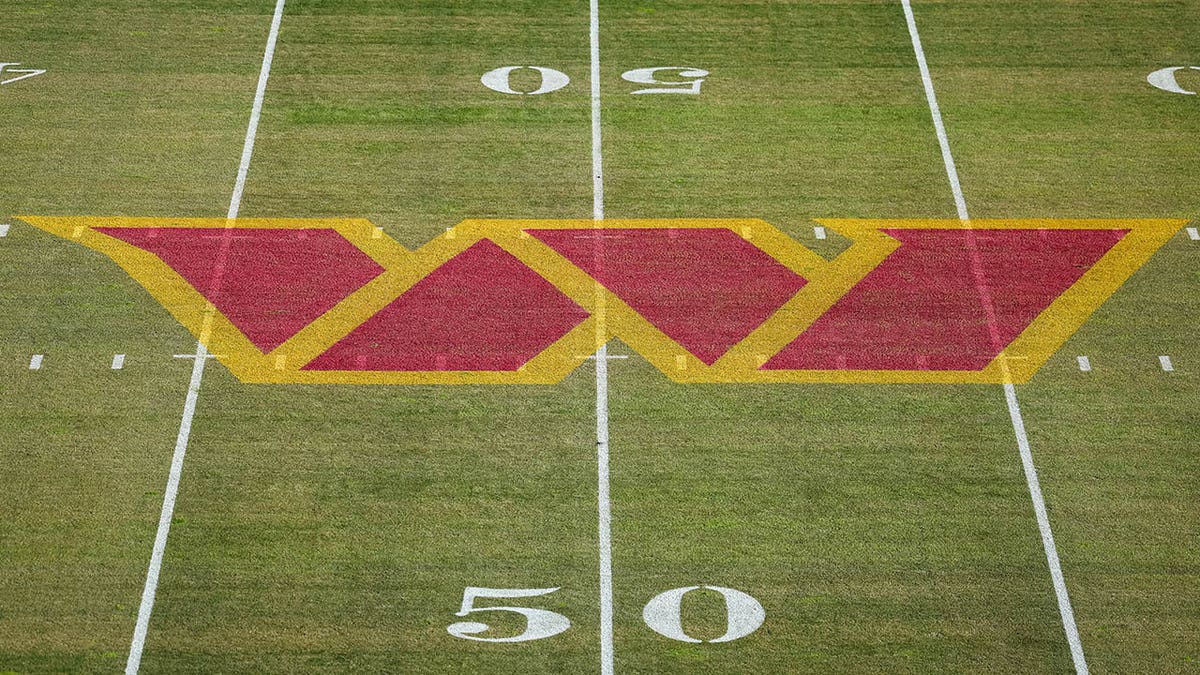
pixel 527 301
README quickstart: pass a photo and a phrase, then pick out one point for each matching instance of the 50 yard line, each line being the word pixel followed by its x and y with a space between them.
pixel 604 509
pixel 199 359
pixel 1010 391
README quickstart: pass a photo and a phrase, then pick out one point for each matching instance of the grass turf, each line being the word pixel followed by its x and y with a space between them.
pixel 334 528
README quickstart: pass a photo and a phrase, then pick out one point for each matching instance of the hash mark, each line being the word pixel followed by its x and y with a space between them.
pixel 1084 364
pixel 3 229
pixel 1193 234
pixel 118 361
pixel 35 362
pixel 819 232
pixel 1165 362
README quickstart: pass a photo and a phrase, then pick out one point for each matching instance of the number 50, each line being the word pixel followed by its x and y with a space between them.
pixel 678 80
pixel 743 614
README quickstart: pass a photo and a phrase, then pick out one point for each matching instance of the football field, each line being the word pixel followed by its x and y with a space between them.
pixel 600 336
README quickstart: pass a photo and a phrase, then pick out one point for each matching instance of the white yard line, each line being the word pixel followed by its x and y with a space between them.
pixel 604 508
pixel 1010 391
pixel 200 358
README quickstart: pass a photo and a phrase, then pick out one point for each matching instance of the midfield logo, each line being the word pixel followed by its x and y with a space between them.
pixel 527 301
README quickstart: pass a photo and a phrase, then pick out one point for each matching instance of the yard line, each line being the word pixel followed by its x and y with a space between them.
pixel 200 359
pixel 1010 391
pixel 604 508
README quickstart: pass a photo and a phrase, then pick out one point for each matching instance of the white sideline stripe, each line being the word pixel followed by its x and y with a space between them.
pixel 1193 234
pixel 1010 391
pixel 819 232
pixel 1085 364
pixel 1165 362
pixel 3 229
pixel 118 361
pixel 201 358
pixel 35 362
pixel 603 507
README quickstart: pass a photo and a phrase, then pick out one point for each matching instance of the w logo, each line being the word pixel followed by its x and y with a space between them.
pixel 526 301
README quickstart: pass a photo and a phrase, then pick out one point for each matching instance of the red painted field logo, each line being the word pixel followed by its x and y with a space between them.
pixel 526 301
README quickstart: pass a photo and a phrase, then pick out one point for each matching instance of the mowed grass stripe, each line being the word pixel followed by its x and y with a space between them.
pixel 878 534
pixel 199 361
pixel 1010 391
pixel 134 115
pixel 335 528
pixel 1052 115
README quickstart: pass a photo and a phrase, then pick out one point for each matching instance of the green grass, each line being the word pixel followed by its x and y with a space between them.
pixel 883 528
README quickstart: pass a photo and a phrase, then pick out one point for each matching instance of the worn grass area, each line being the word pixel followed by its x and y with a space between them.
pixel 883 528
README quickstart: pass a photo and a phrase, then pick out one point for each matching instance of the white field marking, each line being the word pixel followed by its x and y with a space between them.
pixel 197 355
pixel 118 361
pixel 1164 79
pixel 377 233
pixel 926 79
pixel 1084 364
pixel 819 232
pixel 201 358
pixel 499 80
pixel 603 507
pixel 35 362
pixel 4 229
pixel 1010 391
pixel 1193 234
pixel 650 76
pixel 607 356
pixel 28 72
pixel 1165 362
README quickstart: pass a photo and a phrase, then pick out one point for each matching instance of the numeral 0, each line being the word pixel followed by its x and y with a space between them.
pixel 743 614
pixel 500 80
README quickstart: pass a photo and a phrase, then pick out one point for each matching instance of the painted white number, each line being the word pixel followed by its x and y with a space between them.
pixel 24 73
pixel 649 76
pixel 539 623
pixel 744 614
pixel 499 80
pixel 1165 79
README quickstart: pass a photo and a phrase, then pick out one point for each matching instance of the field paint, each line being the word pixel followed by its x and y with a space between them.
pixel 499 80
pixel 4 229
pixel 819 232
pixel 943 141
pixel 118 361
pixel 35 362
pixel 1164 79
pixel 1165 362
pixel 649 76
pixel 1193 234
pixel 1043 520
pixel 200 359
pixel 28 72
pixel 1084 364
pixel 1010 390
pixel 603 507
